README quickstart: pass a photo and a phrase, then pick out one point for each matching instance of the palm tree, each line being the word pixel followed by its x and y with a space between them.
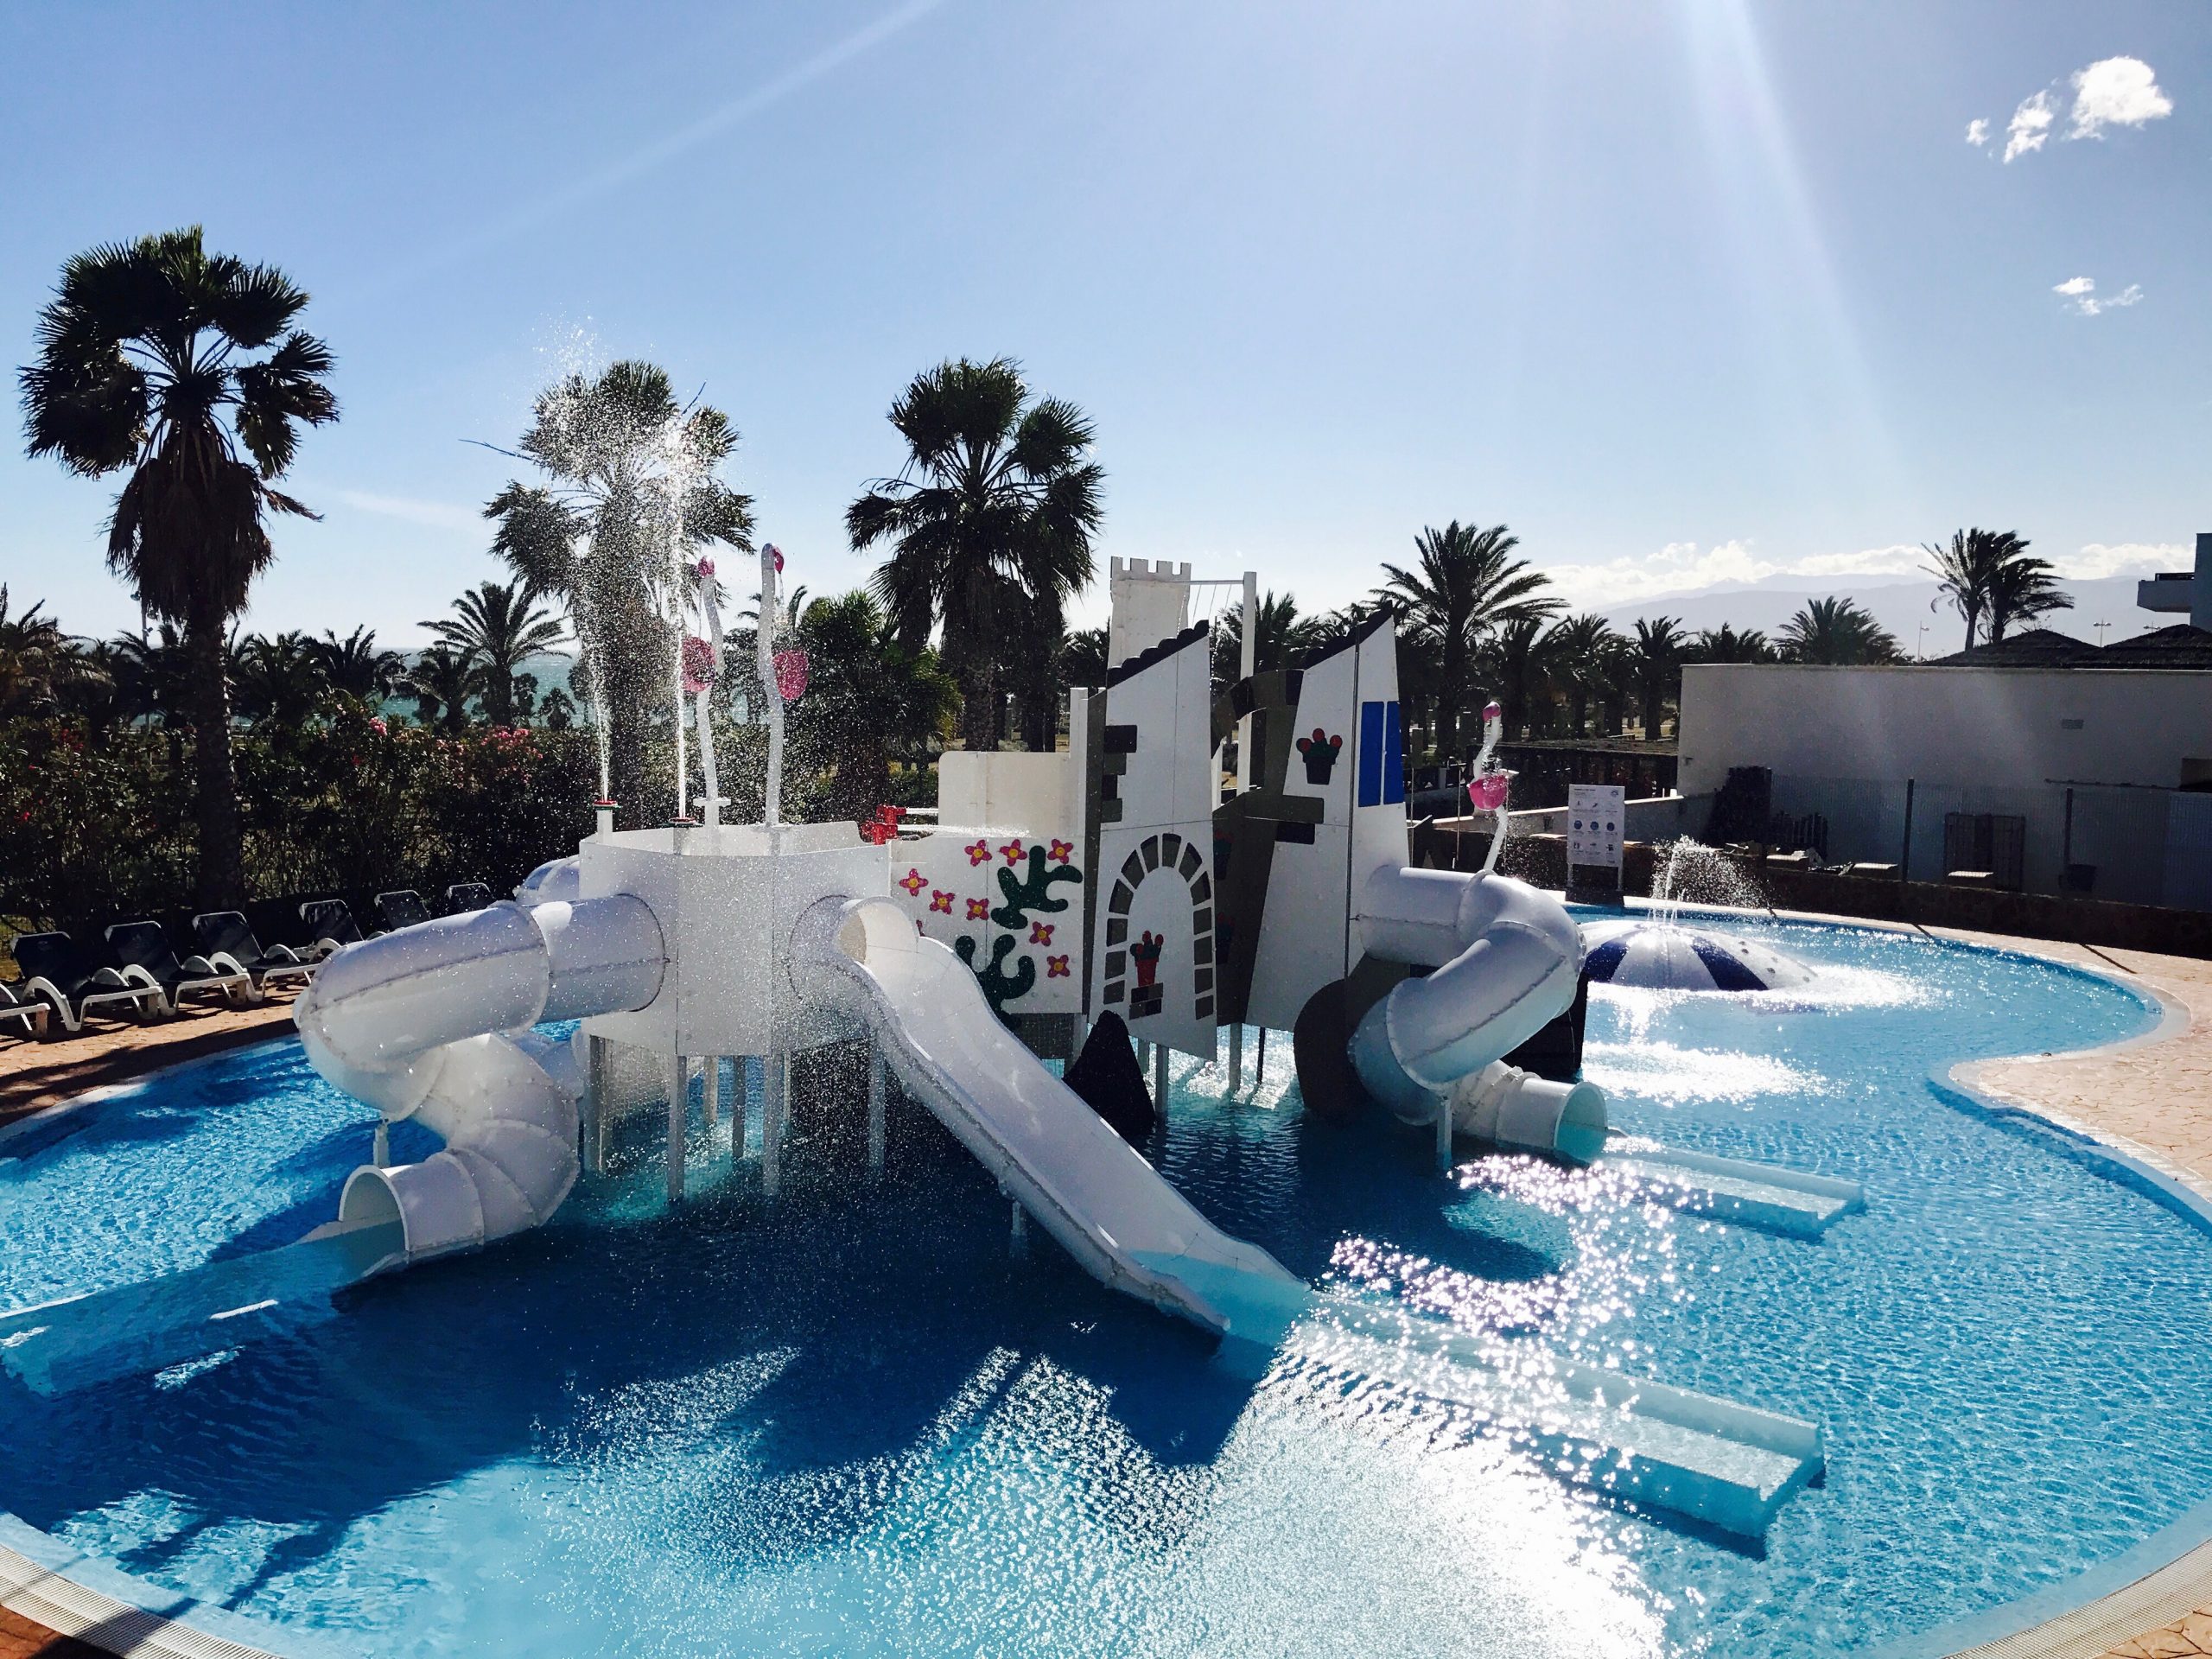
pixel 1521 660
pixel 632 494
pixel 279 680
pixel 497 627
pixel 36 660
pixel 1280 637
pixel 998 496
pixel 1969 571
pixel 1082 657
pixel 144 353
pixel 1725 644
pixel 1838 632
pixel 152 676
pixel 1464 584
pixel 1582 650
pixel 354 667
pixel 868 697
pixel 2021 589
pixel 1658 654
pixel 441 681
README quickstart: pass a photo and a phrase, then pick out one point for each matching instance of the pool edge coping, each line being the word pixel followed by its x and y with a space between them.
pixel 2160 1578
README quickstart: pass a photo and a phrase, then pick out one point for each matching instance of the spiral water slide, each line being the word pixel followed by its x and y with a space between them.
pixel 433 1023
pixel 1505 958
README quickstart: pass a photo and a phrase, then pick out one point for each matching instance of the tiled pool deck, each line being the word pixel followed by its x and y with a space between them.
pixel 2153 1099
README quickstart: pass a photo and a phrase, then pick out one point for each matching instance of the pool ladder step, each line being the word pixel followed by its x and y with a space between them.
pixel 1733 1189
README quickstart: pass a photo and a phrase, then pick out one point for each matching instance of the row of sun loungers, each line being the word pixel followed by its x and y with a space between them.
pixel 64 982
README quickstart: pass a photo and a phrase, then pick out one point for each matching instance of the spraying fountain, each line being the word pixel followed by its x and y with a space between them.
pixel 1662 952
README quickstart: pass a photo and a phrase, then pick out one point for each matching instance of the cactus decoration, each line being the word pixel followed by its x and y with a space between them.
pixel 1034 891
pixel 999 987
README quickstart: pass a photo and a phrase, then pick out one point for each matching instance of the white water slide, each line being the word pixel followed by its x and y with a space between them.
pixel 1085 1185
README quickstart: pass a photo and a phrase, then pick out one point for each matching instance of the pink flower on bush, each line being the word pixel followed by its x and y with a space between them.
pixel 377 725
pixel 698 666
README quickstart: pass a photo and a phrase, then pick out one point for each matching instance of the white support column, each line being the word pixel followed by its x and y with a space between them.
pixel 1235 1056
pixel 596 1106
pixel 1018 1235
pixel 710 1089
pixel 874 1109
pixel 771 1154
pixel 1247 667
pixel 1444 1136
pixel 381 1155
pixel 679 1104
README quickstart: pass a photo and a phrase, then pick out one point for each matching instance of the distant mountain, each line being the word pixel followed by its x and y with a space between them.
pixel 1899 606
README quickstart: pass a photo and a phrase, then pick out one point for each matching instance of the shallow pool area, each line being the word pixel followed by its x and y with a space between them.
pixel 848 1421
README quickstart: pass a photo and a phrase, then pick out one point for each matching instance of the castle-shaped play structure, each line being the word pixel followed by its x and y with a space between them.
pixel 1193 867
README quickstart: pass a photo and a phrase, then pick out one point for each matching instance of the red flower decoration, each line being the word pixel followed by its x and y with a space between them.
pixel 978 909
pixel 941 901
pixel 978 854
pixel 1012 850
pixel 913 883
pixel 1062 851
pixel 698 666
pixel 1055 967
pixel 1040 933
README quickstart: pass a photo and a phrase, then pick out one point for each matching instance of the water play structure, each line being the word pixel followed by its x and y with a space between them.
pixel 1122 877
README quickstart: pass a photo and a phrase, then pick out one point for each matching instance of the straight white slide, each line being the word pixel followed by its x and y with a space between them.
pixel 1085 1185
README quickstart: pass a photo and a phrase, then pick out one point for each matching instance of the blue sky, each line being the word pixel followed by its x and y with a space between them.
pixel 1684 293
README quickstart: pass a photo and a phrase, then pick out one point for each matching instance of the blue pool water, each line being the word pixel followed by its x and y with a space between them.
pixel 847 1424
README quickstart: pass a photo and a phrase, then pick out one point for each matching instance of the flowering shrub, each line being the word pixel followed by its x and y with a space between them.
pixel 92 829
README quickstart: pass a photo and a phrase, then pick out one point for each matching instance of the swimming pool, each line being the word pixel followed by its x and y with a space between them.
pixel 849 1423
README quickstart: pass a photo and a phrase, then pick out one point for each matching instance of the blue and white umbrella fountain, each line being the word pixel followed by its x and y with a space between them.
pixel 1665 956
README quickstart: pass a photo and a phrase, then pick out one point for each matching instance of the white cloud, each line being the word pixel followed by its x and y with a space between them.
pixel 1978 131
pixel 2097 560
pixel 2116 93
pixel 2083 291
pixel 1680 568
pixel 438 515
pixel 2030 125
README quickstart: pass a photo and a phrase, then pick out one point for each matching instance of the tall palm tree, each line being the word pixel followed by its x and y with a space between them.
pixel 1464 583
pixel 496 626
pixel 1838 632
pixel 1082 657
pixel 1657 647
pixel 145 353
pixel 2021 589
pixel 998 495
pixel 1582 648
pixel 1520 660
pixel 1969 570
pixel 632 494
pixel 355 667
pixel 441 681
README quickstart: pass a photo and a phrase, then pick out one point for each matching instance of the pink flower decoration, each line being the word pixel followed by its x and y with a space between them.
pixel 791 675
pixel 706 569
pixel 377 725
pixel 1492 711
pixel 698 666
pixel 1488 790
pixel 779 552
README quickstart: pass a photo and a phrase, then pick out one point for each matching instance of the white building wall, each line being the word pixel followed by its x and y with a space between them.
pixel 1846 742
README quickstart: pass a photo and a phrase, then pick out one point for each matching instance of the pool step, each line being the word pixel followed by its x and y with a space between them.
pixel 1730 1466
pixel 1734 1189
pixel 133 1329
